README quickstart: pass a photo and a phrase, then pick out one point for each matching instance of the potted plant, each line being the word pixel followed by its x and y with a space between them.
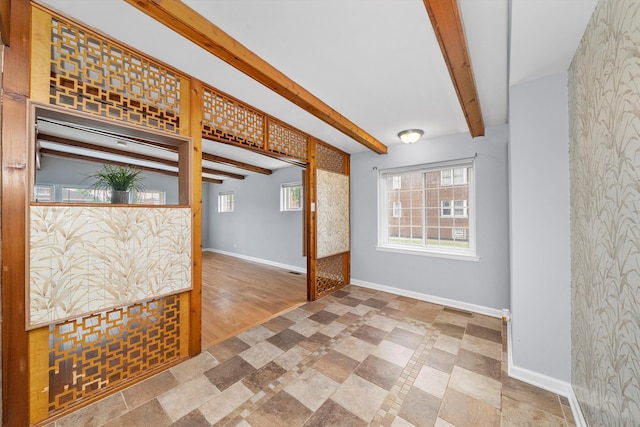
pixel 120 180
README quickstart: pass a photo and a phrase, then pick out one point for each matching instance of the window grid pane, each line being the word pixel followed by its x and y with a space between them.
pixel 430 208
pixel 225 202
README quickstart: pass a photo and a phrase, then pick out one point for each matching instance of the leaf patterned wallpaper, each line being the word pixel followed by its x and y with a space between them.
pixel 604 157
pixel 332 213
pixel 88 259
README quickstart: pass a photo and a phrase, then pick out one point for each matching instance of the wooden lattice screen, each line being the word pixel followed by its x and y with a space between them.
pixel 93 75
pixel 332 272
pixel 226 119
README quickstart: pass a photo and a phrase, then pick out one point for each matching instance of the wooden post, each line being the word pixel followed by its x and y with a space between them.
pixel 15 139
pixel 195 340
pixel 310 208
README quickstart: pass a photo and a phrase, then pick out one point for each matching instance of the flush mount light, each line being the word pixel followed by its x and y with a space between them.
pixel 410 136
pixel 121 143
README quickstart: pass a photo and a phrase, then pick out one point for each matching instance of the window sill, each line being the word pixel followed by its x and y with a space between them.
pixel 434 254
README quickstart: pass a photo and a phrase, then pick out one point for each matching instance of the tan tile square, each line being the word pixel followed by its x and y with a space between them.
pixel 194 366
pixel 192 419
pixel 486 321
pixel 420 408
pixel 291 358
pixel 464 411
pixel 286 339
pixel 516 414
pixel 482 346
pixel 149 389
pixel 484 333
pixel 263 376
pixel 354 348
pixel 375 303
pixel 382 322
pixel 481 364
pixel 361 310
pixel 336 365
pixel 229 372
pixel 379 372
pixel 315 341
pixel 394 353
pixel 477 386
pixel 228 348
pixel 324 317
pixel 441 360
pixel 454 331
pixel 226 402
pixel 330 414
pixel 187 396
pixel 360 397
pixel 297 314
pixel 339 309
pixel 534 396
pixel 432 380
pixel 333 329
pixel 278 324
pixel 401 422
pixel 369 334
pixel 261 354
pixel 149 414
pixel 312 388
pixel 405 338
pixel 96 414
pixel 306 327
pixel 442 423
pixel 348 318
pixel 447 343
pixel 255 335
pixel 452 318
pixel 281 410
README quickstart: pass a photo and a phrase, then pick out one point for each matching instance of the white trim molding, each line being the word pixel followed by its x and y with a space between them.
pixel 302 270
pixel 545 382
pixel 487 311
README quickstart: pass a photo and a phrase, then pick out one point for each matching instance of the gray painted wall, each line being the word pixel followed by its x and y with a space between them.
pixel 257 228
pixel 72 172
pixel 483 283
pixel 540 250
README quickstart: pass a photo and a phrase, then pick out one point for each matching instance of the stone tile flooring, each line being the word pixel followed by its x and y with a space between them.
pixel 358 357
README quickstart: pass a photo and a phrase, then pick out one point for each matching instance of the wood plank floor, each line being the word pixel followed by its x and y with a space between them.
pixel 239 294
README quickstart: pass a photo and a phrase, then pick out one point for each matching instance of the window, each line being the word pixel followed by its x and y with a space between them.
pixel 457 176
pixel 291 197
pixel 85 195
pixel 44 193
pixel 397 182
pixel 397 209
pixel 150 197
pixel 431 213
pixel 225 202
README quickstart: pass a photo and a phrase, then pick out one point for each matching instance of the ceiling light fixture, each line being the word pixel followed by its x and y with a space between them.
pixel 410 136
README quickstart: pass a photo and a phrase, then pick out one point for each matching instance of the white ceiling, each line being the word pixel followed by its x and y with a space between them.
pixel 377 62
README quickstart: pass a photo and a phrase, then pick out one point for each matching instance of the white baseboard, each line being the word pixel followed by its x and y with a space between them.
pixel 562 388
pixel 302 270
pixel 430 298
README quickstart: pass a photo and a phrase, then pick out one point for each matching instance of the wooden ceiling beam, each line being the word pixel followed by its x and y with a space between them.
pixel 73 156
pixel 137 156
pixel 190 24
pixel 446 22
pixel 235 163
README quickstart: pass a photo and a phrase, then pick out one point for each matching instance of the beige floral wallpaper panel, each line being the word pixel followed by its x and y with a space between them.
pixel 87 259
pixel 604 156
pixel 332 213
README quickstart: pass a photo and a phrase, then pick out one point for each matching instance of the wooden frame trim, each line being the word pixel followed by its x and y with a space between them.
pixel 235 163
pixel 446 22
pixel 187 22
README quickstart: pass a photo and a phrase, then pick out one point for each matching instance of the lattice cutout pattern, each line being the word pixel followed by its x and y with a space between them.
pixel 330 159
pixel 330 274
pixel 95 76
pixel 286 141
pixel 89 354
pixel 225 119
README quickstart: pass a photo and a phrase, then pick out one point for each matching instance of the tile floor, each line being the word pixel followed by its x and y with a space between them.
pixel 358 357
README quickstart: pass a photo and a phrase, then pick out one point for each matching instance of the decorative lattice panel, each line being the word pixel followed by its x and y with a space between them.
pixel 88 355
pixel 225 119
pixel 330 274
pixel 286 141
pixel 330 159
pixel 95 76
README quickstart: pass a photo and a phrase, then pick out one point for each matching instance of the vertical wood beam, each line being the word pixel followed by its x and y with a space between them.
pixel 346 260
pixel 446 22
pixel 5 22
pixel 195 112
pixel 13 210
pixel 309 202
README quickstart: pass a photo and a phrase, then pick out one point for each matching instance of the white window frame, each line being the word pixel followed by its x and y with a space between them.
pixel 162 196
pixel 460 205
pixel 465 254
pixel 397 182
pixel 223 203
pixel 52 192
pixel 397 209
pixel 446 205
pixel 284 199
